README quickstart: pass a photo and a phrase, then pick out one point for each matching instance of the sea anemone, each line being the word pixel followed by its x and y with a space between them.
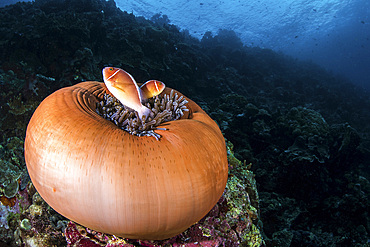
pixel 98 175
pixel 163 108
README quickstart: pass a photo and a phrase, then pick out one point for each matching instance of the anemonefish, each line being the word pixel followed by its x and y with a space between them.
pixel 123 86
pixel 151 88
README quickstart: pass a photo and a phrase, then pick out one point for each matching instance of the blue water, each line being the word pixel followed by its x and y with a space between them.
pixel 333 33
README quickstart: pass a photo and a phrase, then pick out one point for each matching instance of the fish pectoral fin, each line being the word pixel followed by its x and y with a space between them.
pixel 118 86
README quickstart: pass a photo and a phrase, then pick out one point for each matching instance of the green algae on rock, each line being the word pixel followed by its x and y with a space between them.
pixel 25 224
pixel 11 166
pixel 9 175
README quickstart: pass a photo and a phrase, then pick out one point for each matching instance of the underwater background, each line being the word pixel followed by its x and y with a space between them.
pixel 287 83
pixel 334 34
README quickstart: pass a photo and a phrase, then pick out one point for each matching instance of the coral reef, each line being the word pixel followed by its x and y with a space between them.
pixel 301 163
pixel 305 131
pixel 31 222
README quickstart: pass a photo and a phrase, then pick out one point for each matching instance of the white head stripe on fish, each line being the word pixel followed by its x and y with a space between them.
pixel 156 86
pixel 112 75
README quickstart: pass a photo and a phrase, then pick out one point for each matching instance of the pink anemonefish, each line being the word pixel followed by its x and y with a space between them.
pixel 123 86
pixel 151 88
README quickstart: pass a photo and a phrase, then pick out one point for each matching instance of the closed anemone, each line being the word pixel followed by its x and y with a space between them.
pixel 94 173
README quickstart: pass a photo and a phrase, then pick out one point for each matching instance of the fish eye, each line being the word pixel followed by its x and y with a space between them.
pixel 111 69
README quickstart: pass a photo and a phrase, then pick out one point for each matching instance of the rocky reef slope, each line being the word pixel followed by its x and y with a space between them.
pixel 305 131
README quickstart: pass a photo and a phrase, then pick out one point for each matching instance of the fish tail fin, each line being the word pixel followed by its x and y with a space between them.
pixel 143 96
pixel 145 111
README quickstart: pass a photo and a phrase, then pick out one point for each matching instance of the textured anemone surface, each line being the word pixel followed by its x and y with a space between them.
pixel 169 107
pixel 102 177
